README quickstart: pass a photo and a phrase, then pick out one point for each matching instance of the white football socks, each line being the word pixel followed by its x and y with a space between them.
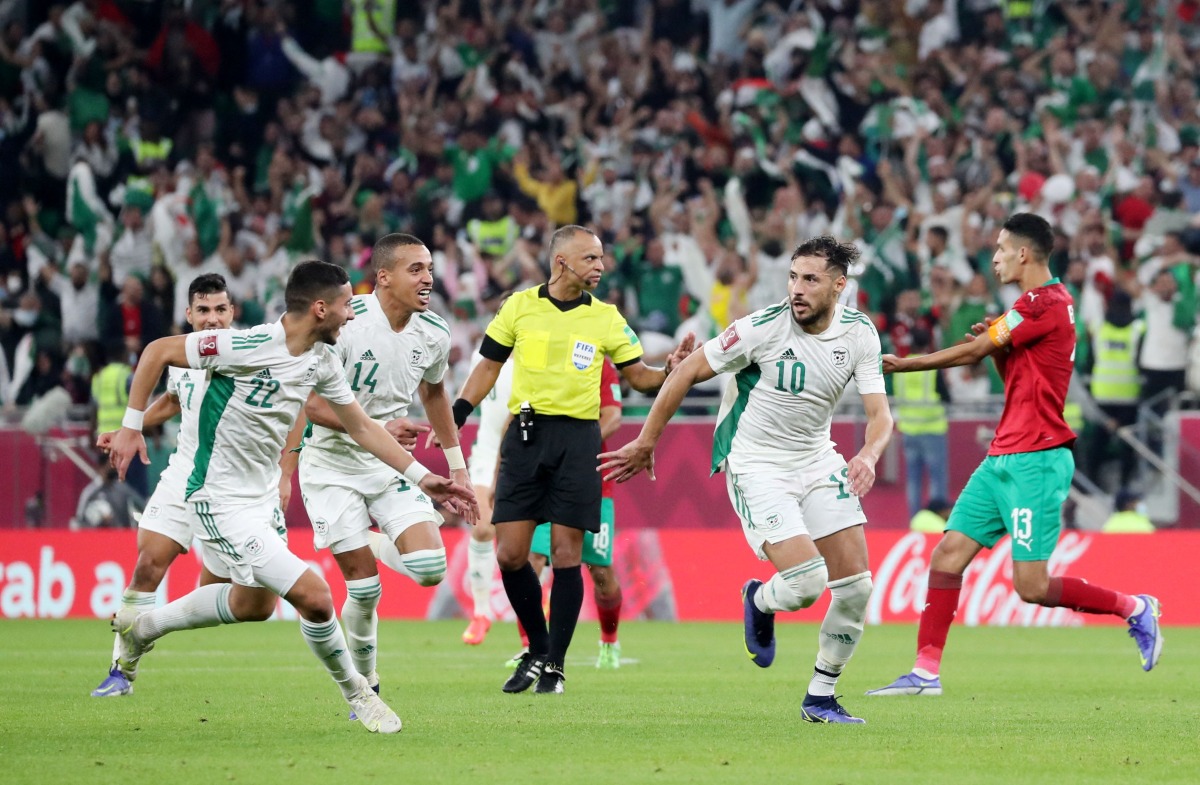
pixel 362 622
pixel 207 606
pixel 481 567
pixel 329 644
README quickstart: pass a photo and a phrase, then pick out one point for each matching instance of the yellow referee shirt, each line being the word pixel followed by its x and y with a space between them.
pixel 558 350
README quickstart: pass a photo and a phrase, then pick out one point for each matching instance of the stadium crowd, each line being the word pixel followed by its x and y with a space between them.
pixel 142 144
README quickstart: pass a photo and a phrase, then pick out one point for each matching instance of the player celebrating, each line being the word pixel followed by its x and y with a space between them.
pixel 485 455
pixel 394 350
pixel 163 531
pixel 1020 486
pixel 797 498
pixel 260 379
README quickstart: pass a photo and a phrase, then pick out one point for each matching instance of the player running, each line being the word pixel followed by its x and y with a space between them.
pixel 1022 483
pixel 797 498
pixel 393 351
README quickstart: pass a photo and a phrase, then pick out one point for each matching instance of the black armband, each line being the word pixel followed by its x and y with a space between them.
pixel 462 410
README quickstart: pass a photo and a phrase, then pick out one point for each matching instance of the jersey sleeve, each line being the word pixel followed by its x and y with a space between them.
pixel 222 350
pixel 868 366
pixel 331 381
pixel 502 328
pixel 621 343
pixel 610 386
pixel 1025 323
pixel 441 354
pixel 172 383
pixel 733 349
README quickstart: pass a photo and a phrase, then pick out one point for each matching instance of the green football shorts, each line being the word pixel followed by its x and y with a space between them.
pixel 1019 494
pixel 597 548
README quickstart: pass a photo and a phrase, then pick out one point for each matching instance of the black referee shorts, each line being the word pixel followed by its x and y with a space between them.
pixel 551 478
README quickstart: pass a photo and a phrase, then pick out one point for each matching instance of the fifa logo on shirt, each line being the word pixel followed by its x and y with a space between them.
pixel 208 345
pixel 840 357
pixel 583 355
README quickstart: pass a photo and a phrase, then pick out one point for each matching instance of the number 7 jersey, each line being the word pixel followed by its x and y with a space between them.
pixel 777 410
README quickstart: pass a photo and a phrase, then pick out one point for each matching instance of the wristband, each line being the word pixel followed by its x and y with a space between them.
pixel 133 419
pixel 454 458
pixel 415 472
pixel 462 410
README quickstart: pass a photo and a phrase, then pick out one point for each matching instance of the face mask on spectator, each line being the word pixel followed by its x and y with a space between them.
pixel 14 283
pixel 25 317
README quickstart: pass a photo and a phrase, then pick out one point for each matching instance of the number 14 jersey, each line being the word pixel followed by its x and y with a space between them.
pixel 779 406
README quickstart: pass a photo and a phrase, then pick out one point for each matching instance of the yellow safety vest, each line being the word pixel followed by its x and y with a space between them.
pixel 919 409
pixel 110 391
pixel 1115 374
pixel 1073 414
pixel 927 522
pixel 1128 522
pixel 152 151
pixel 362 37
pixel 1018 9
pixel 493 237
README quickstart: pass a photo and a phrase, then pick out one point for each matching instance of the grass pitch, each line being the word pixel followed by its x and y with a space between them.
pixel 250 704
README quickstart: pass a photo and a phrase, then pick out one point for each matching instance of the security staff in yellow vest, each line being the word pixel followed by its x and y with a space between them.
pixel 932 519
pixel 110 394
pixel 558 335
pixel 921 419
pixel 371 23
pixel 1116 384
pixel 1130 516
pixel 495 234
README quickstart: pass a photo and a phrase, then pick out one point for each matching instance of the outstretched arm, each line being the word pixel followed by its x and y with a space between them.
pixel 625 463
pixel 154 360
pixel 968 353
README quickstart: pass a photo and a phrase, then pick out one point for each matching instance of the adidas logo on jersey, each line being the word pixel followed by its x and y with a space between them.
pixel 185 377
pixel 265 373
pixel 367 355
pixel 788 354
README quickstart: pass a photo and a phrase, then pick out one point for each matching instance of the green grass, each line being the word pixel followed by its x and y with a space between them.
pixel 250 704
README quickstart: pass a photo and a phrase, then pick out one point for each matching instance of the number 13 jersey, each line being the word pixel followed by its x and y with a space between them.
pixel 778 408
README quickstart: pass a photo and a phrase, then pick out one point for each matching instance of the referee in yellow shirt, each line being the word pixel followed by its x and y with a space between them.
pixel 558 336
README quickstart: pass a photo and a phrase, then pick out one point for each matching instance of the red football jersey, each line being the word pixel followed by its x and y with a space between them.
pixel 1040 331
pixel 610 395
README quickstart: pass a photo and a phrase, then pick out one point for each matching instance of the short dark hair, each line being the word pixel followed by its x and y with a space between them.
pixel 1035 230
pixel 837 255
pixel 940 231
pixel 311 281
pixel 209 283
pixel 564 234
pixel 383 255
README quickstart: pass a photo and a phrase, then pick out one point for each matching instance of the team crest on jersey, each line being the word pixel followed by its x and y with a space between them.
pixel 772 522
pixel 583 355
pixel 415 357
pixel 152 511
pixel 208 345
pixel 841 357
pixel 308 375
pixel 321 526
pixel 729 338
pixel 253 546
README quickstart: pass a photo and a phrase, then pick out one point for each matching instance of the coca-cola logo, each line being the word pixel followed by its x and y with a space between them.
pixel 988 596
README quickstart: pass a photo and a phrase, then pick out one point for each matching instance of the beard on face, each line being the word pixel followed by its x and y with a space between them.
pixel 815 314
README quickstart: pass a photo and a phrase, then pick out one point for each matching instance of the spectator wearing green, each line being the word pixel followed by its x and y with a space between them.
pixel 475 159
pixel 659 292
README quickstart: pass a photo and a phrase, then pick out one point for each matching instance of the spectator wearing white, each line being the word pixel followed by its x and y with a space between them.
pixel 726 22
pixel 79 299
pixel 133 251
pixel 610 194
pixel 330 74
pixel 1164 349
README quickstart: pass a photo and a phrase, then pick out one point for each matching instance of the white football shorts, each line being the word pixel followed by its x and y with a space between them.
pixel 242 542
pixel 167 514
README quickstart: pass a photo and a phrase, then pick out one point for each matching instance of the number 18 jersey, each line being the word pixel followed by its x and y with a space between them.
pixel 778 410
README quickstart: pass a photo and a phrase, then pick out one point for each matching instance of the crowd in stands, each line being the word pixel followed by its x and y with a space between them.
pixel 143 143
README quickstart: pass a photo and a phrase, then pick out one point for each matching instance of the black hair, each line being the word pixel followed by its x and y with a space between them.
pixel 1034 229
pixel 383 255
pixel 209 283
pixel 311 281
pixel 837 256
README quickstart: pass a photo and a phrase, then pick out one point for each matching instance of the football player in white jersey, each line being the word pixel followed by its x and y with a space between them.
pixel 260 379
pixel 163 531
pixel 393 351
pixel 797 498
pixel 485 455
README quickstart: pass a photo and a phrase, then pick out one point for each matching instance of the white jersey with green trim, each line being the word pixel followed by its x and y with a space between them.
pixel 384 369
pixel 493 410
pixel 778 408
pixel 189 386
pixel 256 390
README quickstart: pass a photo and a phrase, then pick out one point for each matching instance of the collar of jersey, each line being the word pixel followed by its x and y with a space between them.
pixel 564 305
pixel 1052 281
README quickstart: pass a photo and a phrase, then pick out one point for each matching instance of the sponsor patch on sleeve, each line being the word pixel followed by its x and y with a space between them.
pixel 729 338
pixel 208 345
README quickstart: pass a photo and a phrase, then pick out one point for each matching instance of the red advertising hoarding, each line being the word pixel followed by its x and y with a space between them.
pixel 688 575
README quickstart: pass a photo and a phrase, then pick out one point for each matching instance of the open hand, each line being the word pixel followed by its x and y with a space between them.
pixel 861 475
pixel 459 498
pixel 626 463
pixel 681 353
pixel 125 445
